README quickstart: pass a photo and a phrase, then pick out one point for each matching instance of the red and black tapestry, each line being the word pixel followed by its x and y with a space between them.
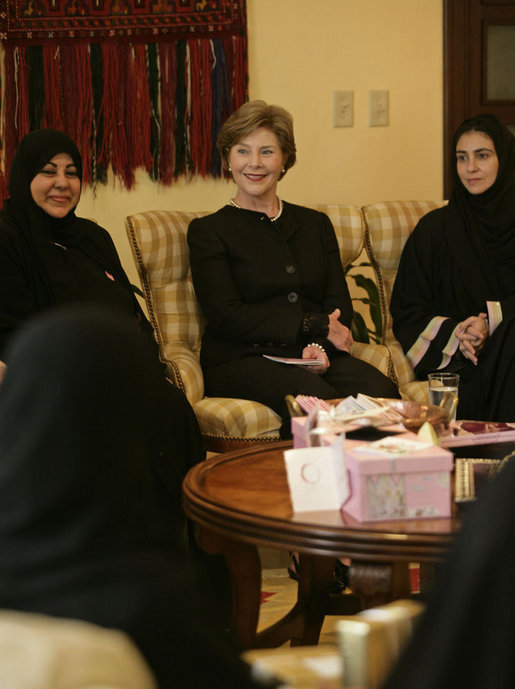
pixel 136 83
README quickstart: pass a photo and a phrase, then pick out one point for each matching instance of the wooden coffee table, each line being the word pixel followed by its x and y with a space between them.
pixel 240 500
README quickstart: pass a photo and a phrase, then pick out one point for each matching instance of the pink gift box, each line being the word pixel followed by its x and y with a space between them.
pixel 410 486
pixel 383 487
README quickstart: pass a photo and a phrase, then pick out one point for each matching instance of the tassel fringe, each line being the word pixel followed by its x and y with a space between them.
pixel 157 107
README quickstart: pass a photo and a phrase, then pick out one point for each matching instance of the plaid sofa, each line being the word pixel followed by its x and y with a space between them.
pixel 158 242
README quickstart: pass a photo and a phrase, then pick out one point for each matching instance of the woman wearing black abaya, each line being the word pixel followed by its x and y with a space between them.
pixel 49 257
pixel 82 531
pixel 453 303
pixel 466 638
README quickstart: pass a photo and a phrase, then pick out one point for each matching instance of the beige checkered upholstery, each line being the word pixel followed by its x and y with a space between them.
pixel 44 652
pixel 158 241
pixel 348 225
pixel 387 227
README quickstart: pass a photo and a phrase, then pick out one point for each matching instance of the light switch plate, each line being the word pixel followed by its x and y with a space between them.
pixel 343 108
pixel 378 108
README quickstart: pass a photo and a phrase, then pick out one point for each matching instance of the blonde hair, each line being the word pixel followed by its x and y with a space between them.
pixel 251 116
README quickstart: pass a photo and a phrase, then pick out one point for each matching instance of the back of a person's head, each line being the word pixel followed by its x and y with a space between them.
pixel 77 405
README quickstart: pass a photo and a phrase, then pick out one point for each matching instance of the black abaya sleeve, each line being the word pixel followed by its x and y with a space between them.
pixel 421 321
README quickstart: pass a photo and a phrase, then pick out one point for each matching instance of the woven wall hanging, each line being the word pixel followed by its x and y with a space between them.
pixel 135 83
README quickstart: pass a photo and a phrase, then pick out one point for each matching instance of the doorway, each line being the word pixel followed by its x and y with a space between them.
pixel 479 65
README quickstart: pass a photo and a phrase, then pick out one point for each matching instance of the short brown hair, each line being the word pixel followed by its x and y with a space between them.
pixel 251 116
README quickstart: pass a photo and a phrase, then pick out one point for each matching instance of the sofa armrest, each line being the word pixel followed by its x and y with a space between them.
pixel 183 368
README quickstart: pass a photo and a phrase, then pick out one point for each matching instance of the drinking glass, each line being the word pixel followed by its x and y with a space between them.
pixel 443 391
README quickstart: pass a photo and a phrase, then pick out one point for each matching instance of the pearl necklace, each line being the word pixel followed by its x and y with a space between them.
pixel 276 217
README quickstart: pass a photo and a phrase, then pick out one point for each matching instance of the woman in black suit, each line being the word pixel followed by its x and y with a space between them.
pixel 269 280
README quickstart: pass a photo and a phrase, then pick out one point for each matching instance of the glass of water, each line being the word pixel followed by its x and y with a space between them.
pixel 443 391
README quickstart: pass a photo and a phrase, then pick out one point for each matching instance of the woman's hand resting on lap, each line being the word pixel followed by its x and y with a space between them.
pixel 313 352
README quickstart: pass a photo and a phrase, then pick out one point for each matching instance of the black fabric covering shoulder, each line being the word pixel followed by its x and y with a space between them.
pixel 47 261
pixel 84 532
pixel 466 638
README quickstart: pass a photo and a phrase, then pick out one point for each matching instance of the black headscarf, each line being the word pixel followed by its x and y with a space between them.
pixel 83 407
pixel 481 227
pixel 39 230
pixel 34 152
pixel 57 260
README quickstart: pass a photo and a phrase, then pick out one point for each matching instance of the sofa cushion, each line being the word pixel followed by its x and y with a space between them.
pixel 225 416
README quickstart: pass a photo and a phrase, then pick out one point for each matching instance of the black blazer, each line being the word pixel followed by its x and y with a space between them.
pixel 256 280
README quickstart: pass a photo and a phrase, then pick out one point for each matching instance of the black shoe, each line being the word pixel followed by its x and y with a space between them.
pixel 341 573
pixel 340 576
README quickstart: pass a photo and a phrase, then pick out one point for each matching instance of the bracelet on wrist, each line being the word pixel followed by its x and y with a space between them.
pixel 315 344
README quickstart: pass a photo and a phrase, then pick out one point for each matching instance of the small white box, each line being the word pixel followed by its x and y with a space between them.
pixel 317 477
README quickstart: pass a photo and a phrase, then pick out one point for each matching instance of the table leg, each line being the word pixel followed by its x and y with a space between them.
pixel 373 584
pixel 427 577
pixel 244 568
pixel 302 623
pixel 315 578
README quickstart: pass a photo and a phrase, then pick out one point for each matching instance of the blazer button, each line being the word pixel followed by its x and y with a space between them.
pixel 293 297
pixel 289 269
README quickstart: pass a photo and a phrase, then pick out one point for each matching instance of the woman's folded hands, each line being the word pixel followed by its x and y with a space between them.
pixel 472 334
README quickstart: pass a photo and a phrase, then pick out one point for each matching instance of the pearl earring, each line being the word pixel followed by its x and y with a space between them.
pixel 229 169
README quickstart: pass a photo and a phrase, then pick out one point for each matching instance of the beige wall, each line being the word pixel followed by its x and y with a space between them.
pixel 299 52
